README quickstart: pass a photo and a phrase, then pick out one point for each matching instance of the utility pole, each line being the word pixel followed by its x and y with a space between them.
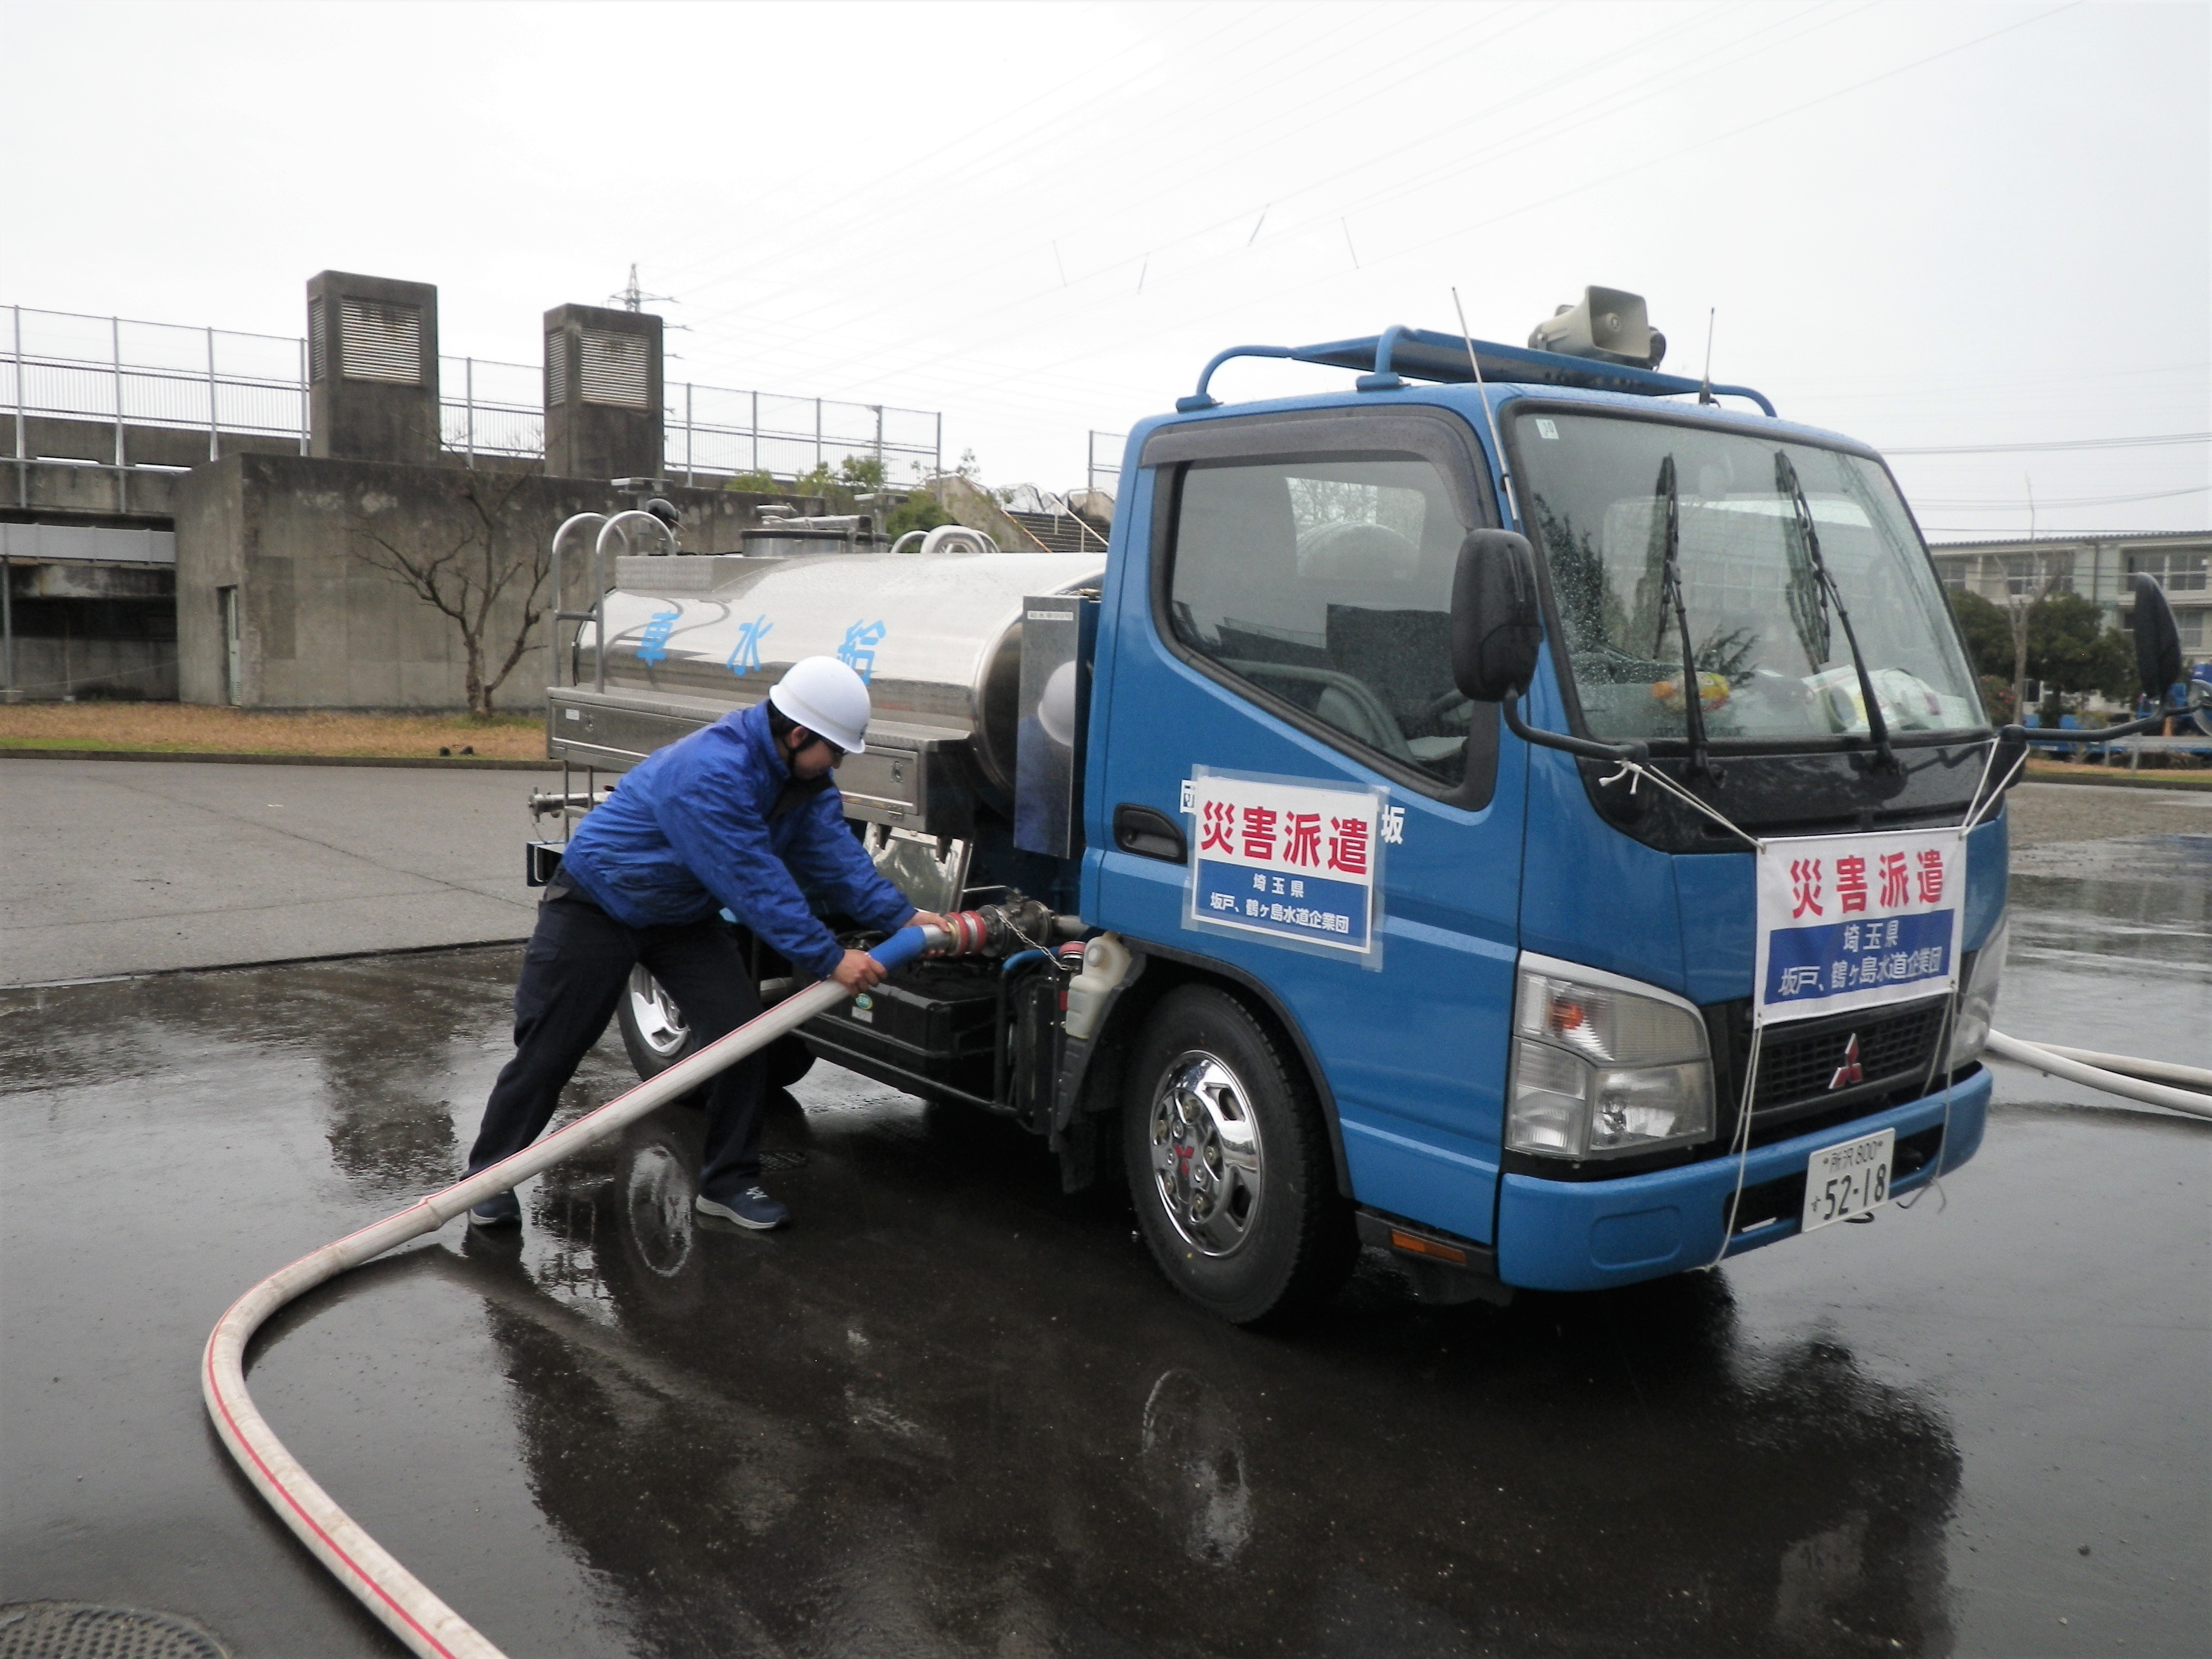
pixel 2034 587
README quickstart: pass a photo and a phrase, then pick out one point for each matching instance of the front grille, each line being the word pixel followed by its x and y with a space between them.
pixel 1796 1063
pixel 1898 1052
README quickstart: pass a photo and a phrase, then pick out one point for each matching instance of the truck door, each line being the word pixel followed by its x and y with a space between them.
pixel 1282 621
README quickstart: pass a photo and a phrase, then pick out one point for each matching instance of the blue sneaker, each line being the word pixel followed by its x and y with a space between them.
pixel 752 1208
pixel 499 1209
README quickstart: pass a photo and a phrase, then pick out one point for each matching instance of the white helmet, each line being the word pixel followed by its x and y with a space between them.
pixel 826 698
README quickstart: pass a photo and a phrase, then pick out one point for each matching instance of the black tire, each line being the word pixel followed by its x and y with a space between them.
pixel 652 1028
pixel 1228 1163
pixel 653 1033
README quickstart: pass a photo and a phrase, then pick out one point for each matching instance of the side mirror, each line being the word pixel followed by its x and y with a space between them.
pixel 1497 623
pixel 2158 641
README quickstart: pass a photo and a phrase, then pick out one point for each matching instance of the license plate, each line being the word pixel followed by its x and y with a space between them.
pixel 1842 1181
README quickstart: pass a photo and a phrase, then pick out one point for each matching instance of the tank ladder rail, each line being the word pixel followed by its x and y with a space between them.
pixel 621 526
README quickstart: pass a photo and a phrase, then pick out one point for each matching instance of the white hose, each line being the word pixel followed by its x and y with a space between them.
pixel 2054 1063
pixel 2151 1070
pixel 395 1595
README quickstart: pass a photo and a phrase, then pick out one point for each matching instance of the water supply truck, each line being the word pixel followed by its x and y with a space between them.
pixel 1520 811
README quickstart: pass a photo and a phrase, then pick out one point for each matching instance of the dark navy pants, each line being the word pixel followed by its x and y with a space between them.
pixel 574 973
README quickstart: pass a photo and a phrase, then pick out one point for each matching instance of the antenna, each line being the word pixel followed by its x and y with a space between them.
pixel 1705 391
pixel 1498 446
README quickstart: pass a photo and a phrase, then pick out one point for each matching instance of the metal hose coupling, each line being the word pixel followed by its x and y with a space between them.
pixel 996 930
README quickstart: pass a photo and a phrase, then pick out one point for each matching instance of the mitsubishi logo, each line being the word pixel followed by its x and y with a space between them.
pixel 1850 1071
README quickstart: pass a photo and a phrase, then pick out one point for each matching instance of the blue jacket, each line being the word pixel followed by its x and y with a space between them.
pixel 695 827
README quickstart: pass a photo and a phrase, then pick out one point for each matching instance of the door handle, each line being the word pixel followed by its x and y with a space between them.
pixel 1149 833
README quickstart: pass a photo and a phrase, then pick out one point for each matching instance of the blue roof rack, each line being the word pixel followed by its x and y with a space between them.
pixel 1398 351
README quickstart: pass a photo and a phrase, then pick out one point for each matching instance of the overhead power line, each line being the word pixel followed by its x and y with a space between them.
pixel 1029 371
pixel 2020 501
pixel 2143 441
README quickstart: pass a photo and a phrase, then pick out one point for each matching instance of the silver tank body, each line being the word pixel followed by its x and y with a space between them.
pixel 939 638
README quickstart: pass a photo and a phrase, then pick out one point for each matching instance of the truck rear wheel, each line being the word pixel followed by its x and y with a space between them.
pixel 653 1032
pixel 1228 1163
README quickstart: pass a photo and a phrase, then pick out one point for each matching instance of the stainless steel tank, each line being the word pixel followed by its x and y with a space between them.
pixel 937 638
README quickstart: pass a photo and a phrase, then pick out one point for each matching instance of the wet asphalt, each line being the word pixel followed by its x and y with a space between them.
pixel 952 1411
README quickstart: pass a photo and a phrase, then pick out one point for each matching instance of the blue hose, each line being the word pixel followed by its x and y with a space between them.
pixel 901 947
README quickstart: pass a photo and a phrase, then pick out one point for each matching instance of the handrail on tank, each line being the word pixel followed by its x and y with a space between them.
pixel 555 615
pixel 621 522
pixel 596 616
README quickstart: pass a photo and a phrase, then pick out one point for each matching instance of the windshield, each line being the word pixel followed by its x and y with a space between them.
pixel 1773 659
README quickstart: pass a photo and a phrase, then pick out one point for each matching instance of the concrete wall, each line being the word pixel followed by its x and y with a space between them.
pixel 972 505
pixel 98 491
pixel 323 626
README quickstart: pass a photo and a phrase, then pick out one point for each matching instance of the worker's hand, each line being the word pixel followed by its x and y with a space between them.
pixel 858 971
pixel 928 919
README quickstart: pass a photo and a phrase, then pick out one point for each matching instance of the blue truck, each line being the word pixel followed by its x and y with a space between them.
pixel 1411 832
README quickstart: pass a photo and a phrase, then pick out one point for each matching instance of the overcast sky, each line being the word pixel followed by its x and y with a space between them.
pixel 1930 226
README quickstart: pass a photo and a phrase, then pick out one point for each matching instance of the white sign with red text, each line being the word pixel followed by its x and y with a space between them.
pixel 1856 922
pixel 1293 861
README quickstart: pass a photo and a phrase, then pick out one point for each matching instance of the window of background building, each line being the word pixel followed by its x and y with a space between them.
pixel 2176 573
pixel 2026 573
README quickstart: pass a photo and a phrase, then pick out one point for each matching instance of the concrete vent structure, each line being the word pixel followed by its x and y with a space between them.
pixel 603 394
pixel 372 368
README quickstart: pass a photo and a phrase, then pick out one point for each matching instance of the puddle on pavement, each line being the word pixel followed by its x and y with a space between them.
pixel 953 1411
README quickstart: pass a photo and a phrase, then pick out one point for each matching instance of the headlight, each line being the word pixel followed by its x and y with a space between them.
pixel 1977 1002
pixel 1600 1069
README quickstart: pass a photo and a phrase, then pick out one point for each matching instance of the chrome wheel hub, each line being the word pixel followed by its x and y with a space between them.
pixel 1207 1162
pixel 655 1015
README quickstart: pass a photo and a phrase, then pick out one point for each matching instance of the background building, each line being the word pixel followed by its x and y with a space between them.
pixel 2097 568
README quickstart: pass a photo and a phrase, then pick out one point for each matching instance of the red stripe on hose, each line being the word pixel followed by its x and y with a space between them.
pixel 238 1435
pixel 215 1388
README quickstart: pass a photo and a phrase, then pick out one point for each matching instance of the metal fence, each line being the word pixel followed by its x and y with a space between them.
pixel 500 409
pixel 1105 473
pixel 125 372
pixel 112 369
pixel 716 431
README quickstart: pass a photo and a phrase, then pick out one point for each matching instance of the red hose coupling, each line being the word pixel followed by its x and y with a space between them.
pixel 970 932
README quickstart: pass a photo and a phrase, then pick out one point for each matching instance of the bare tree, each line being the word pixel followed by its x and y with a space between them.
pixel 465 574
pixel 2023 593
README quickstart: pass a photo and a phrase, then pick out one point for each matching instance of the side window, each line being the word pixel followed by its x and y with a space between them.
pixel 1327 582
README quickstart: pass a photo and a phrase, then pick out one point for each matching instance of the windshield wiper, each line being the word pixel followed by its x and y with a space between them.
pixel 1786 480
pixel 1670 593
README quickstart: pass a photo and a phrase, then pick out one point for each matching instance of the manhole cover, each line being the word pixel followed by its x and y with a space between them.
pixel 779 1159
pixel 73 1630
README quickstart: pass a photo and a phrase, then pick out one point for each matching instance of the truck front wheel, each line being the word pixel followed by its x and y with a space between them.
pixel 1229 1163
pixel 653 1032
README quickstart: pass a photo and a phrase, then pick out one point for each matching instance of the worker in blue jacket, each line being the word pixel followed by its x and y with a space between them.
pixel 724 819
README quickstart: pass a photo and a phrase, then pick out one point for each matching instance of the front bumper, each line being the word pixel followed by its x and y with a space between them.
pixel 1587 1235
